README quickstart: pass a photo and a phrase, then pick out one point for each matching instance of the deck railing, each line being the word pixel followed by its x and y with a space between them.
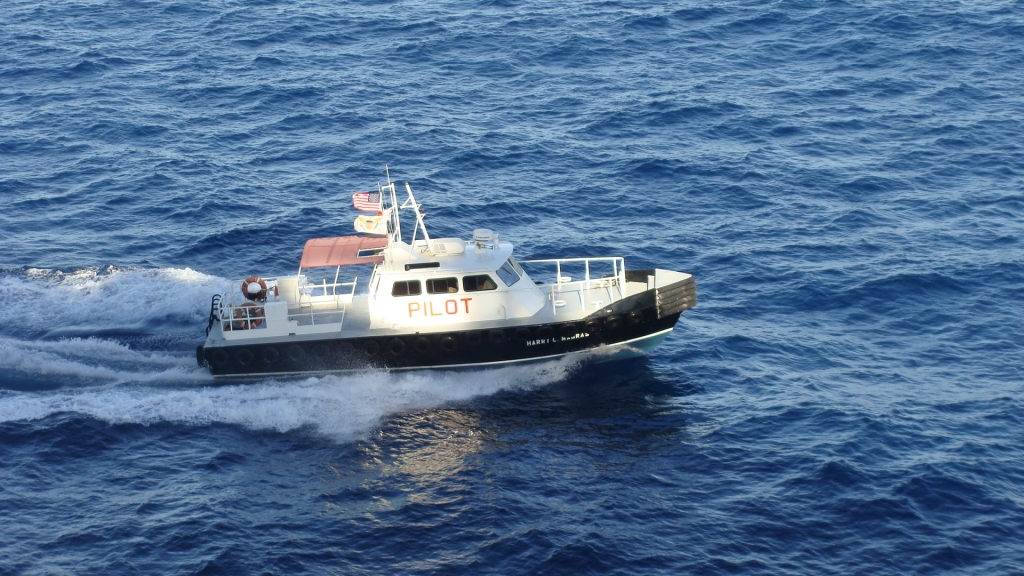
pixel 329 295
pixel 324 302
pixel 614 283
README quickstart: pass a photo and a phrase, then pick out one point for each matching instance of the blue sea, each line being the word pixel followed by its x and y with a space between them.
pixel 845 180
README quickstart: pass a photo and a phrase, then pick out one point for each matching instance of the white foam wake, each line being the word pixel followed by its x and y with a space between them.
pixel 94 359
pixel 43 300
pixel 343 407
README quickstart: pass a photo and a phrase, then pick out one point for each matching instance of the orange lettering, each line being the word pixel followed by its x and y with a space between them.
pixel 432 310
pixel 466 302
pixel 411 309
pixel 453 309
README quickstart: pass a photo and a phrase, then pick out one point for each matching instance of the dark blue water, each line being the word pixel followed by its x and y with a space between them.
pixel 844 179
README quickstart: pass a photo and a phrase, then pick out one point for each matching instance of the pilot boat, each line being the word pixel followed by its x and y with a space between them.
pixel 434 303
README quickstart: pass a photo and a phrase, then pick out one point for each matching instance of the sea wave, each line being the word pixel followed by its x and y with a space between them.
pixel 344 407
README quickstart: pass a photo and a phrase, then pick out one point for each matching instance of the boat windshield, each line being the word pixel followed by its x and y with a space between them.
pixel 508 273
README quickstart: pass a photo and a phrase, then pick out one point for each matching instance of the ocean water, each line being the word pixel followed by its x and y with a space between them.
pixel 844 179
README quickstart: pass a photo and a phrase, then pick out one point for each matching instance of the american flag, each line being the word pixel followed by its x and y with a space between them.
pixel 367 201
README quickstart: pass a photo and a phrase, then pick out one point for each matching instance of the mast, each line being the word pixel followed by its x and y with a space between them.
pixel 419 218
pixel 396 234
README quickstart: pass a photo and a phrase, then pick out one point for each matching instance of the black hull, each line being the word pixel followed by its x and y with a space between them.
pixel 631 318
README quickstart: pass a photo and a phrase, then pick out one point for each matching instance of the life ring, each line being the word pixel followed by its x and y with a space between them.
pixel 248 316
pixel 255 289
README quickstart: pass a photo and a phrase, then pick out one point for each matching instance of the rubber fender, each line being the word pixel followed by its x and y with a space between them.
pixel 243 356
pixel 423 344
pixel 296 353
pixel 448 344
pixel 372 347
pixel 396 347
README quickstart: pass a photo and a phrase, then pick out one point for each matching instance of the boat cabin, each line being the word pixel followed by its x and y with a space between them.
pixel 424 285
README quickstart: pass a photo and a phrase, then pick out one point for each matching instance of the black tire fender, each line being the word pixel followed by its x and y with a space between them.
pixel 448 344
pixel 270 355
pixel 423 344
pixel 296 353
pixel 396 347
pixel 243 356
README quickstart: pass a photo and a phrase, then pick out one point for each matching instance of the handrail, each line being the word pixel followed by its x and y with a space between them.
pixel 312 314
pixel 332 287
pixel 214 312
pixel 617 279
pixel 231 302
pixel 543 260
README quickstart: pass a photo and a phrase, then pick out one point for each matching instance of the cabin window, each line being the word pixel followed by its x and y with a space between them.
pixel 516 266
pixel 442 285
pixel 406 288
pixel 508 273
pixel 478 283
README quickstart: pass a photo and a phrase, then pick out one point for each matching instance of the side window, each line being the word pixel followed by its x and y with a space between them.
pixel 406 288
pixel 442 285
pixel 516 266
pixel 478 283
pixel 507 273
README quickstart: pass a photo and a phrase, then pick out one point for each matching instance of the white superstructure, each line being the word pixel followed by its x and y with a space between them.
pixel 442 286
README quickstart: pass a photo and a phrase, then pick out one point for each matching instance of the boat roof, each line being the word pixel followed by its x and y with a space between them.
pixel 404 258
pixel 342 251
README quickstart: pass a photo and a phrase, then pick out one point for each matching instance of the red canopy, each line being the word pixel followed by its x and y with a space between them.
pixel 341 251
